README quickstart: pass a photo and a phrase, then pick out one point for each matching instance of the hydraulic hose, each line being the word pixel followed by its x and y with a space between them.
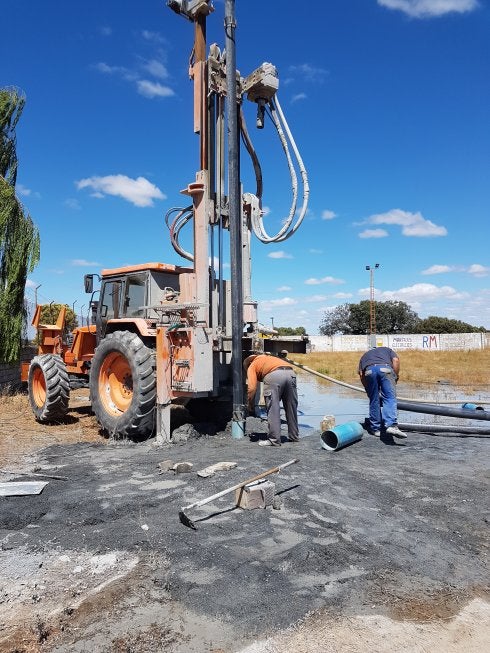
pixel 277 116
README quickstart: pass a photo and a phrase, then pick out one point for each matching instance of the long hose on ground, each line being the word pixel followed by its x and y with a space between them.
pixel 464 431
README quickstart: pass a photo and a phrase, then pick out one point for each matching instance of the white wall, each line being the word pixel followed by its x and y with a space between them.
pixel 425 341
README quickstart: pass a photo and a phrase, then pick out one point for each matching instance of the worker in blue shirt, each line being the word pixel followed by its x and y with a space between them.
pixel 379 368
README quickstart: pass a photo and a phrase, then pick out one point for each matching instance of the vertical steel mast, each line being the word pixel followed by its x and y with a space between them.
pixel 234 202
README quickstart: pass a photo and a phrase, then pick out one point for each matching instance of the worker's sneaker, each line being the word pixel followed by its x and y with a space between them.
pixel 293 439
pixel 395 432
pixel 377 434
pixel 269 443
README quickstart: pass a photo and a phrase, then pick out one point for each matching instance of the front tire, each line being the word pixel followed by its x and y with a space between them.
pixel 123 386
pixel 49 388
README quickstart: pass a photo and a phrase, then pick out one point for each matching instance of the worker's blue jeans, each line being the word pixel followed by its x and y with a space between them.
pixel 381 389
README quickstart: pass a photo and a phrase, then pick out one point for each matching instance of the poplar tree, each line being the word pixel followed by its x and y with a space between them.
pixel 19 237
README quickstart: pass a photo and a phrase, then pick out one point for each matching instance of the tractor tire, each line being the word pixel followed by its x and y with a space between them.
pixel 49 388
pixel 123 386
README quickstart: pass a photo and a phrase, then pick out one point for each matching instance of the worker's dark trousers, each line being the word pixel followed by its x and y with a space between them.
pixel 280 385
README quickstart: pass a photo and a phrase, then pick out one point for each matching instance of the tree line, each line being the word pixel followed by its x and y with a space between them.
pixel 391 317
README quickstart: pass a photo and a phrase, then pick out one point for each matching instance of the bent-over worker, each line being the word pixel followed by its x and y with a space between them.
pixel 379 368
pixel 279 381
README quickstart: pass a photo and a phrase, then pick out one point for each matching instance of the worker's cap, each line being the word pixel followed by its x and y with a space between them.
pixel 248 360
pixel 283 353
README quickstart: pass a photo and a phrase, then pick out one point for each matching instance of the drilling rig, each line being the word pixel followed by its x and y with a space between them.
pixel 165 334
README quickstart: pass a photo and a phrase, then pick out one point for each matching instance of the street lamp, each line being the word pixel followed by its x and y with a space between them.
pixel 372 306
pixel 35 293
pixel 81 312
pixel 272 322
pixel 73 305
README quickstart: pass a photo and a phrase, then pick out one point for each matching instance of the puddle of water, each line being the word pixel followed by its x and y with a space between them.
pixel 318 397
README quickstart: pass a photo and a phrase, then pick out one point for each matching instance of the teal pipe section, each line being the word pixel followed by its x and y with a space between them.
pixel 341 436
pixel 237 429
pixel 469 406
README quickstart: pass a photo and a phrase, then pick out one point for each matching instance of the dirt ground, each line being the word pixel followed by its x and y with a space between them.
pixel 381 546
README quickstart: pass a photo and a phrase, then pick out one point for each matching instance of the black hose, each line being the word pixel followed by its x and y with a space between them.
pixel 462 431
pixel 433 409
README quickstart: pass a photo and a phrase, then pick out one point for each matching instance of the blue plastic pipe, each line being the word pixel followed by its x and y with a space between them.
pixel 341 436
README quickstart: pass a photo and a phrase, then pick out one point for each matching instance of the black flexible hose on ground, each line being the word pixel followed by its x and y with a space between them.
pixel 444 429
pixel 434 409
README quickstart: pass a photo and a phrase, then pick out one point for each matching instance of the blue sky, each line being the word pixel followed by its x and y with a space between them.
pixel 388 102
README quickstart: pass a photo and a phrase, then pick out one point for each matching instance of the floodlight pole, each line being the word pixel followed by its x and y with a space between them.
pixel 372 305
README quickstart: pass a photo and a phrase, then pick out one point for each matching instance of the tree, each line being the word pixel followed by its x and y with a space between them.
pixel 336 320
pixel 50 312
pixel 434 324
pixel 391 317
pixel 395 317
pixel 19 238
pixel 291 331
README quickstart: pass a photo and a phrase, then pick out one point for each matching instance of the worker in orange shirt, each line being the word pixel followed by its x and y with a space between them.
pixel 279 382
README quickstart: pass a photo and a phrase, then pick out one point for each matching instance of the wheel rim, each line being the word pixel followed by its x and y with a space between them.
pixel 38 387
pixel 116 384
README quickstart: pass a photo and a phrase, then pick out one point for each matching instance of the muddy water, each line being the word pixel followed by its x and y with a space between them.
pixel 318 397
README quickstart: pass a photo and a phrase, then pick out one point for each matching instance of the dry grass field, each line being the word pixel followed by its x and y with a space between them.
pixel 463 369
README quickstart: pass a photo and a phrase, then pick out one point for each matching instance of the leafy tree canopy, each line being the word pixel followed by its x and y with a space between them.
pixel 50 312
pixel 434 324
pixel 391 317
pixel 291 331
pixel 19 238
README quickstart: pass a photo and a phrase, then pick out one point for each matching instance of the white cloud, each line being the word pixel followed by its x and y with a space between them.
pixel 317 282
pixel 429 8
pixel 156 69
pixel 285 301
pixel 279 254
pixel 82 263
pixel 22 190
pixel 309 73
pixel 437 269
pixel 373 233
pixel 73 204
pixel 298 97
pixel 328 215
pixel 412 224
pixel 153 89
pixel 284 288
pixel 315 298
pixel 342 295
pixel 418 292
pixel 105 69
pixel 475 269
pixel 155 37
pixel 31 284
pixel 478 270
pixel 105 31
pixel 139 192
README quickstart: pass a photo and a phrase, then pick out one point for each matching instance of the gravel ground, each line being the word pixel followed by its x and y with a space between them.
pixel 381 539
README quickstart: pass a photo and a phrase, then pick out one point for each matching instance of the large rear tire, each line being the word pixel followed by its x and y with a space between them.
pixel 49 388
pixel 123 386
